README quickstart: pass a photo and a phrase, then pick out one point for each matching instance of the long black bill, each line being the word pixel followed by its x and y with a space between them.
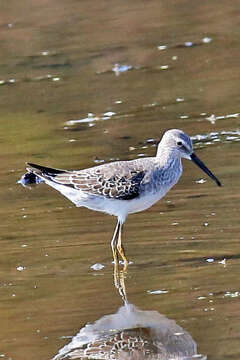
pixel 199 163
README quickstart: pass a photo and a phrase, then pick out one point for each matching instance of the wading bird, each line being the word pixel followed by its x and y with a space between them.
pixel 123 187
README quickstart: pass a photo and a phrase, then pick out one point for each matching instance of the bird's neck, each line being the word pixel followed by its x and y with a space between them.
pixel 166 156
pixel 168 167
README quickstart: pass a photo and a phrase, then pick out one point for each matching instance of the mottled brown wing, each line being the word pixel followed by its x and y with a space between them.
pixel 117 180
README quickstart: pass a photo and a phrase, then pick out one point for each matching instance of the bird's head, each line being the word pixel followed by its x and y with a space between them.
pixel 180 144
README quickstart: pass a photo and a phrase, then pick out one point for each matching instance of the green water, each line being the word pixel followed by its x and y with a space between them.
pixel 57 62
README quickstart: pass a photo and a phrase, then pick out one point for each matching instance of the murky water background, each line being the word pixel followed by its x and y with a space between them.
pixel 83 83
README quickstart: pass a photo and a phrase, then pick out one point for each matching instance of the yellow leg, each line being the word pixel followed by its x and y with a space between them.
pixel 121 248
pixel 119 276
pixel 113 243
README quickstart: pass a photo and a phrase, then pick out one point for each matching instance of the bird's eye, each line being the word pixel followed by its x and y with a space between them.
pixel 179 143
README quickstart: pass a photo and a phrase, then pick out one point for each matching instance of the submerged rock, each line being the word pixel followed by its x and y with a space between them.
pixel 29 179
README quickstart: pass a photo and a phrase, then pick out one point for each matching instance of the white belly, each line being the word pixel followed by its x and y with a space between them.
pixel 116 207
pixel 121 208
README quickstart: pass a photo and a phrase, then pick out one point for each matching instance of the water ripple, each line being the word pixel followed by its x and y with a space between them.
pixel 186 44
pixel 213 137
pixel 91 118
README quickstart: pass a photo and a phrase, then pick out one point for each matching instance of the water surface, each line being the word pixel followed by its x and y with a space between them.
pixel 65 103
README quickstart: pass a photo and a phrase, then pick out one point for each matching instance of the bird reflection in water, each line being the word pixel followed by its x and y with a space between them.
pixel 131 334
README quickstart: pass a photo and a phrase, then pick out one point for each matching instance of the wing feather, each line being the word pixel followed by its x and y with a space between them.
pixel 119 180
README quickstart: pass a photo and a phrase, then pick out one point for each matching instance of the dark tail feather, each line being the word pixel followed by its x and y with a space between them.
pixel 37 173
pixel 43 170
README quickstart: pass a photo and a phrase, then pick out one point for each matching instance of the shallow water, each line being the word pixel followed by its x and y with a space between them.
pixel 65 103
